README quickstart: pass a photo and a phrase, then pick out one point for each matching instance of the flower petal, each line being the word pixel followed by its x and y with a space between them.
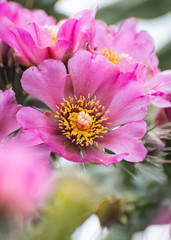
pixel 8 110
pixel 91 73
pixel 48 131
pixel 47 82
pixel 129 102
pixel 95 156
pixel 137 45
pixel 159 86
pixel 28 53
pixel 127 139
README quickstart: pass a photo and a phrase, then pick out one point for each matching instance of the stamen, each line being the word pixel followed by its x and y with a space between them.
pixel 81 120
pixel 112 57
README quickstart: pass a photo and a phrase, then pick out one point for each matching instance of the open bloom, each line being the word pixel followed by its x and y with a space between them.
pixel 129 49
pixel 35 37
pixel 24 177
pixel 93 108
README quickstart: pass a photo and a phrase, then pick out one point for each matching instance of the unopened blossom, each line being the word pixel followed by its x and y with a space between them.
pixel 25 174
pixel 130 49
pixel 93 108
pixel 8 110
pixel 164 114
pixel 35 37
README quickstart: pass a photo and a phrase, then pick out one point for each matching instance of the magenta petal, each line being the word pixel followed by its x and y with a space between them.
pixel 23 43
pixel 48 131
pixel 60 145
pixel 47 82
pixel 129 103
pixel 88 72
pixel 96 156
pixel 137 45
pixel 31 119
pixel 158 87
pixel 127 139
pixel 8 110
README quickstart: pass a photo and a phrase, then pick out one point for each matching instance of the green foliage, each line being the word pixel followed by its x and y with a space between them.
pixel 140 8
pixel 165 57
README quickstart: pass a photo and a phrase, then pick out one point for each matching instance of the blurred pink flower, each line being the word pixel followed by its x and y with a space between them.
pixel 24 177
pixel 35 37
pixel 93 108
pixel 130 49
pixel 8 110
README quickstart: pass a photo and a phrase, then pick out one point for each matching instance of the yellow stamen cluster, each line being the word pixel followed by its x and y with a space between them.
pixel 81 120
pixel 111 56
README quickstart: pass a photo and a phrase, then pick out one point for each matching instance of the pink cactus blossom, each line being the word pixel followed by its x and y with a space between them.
pixel 93 108
pixel 24 177
pixel 129 49
pixel 8 110
pixel 35 37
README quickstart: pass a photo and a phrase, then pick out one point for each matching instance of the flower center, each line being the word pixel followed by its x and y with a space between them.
pixel 82 120
pixel 111 56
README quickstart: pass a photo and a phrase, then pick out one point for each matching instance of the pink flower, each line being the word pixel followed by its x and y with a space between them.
pixel 93 108
pixel 9 10
pixel 8 110
pixel 130 49
pixel 15 12
pixel 35 37
pixel 24 177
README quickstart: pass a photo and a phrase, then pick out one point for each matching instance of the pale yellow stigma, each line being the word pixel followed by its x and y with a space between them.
pixel 112 57
pixel 84 120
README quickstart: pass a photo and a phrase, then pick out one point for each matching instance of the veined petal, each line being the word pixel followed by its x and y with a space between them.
pixel 129 102
pixel 32 119
pixel 96 156
pixel 47 82
pixel 89 72
pixel 137 45
pixel 127 140
pixel 22 42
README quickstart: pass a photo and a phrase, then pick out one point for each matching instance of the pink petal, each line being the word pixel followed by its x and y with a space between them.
pixel 48 131
pixel 31 119
pixel 104 36
pixel 47 82
pixel 129 102
pixel 28 53
pixel 89 73
pixel 8 110
pixel 159 86
pixel 95 156
pixel 127 140
pixel 137 45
